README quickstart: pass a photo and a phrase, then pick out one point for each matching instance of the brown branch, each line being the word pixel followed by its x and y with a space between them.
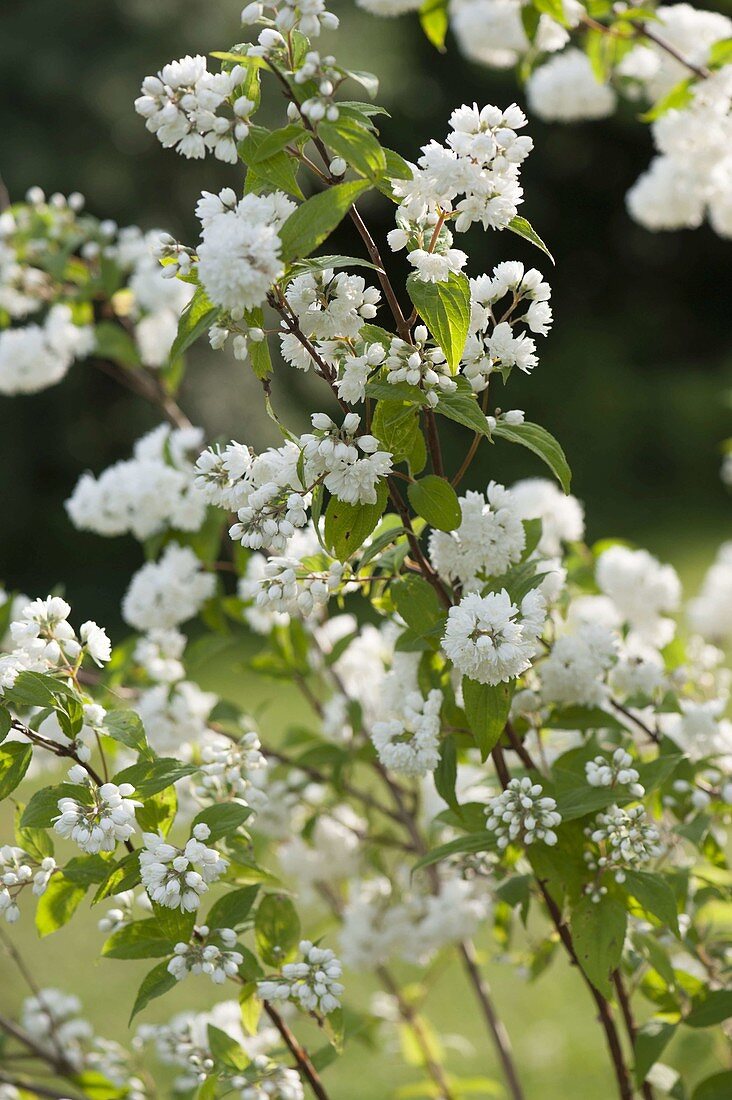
pixel 433 442
pixel 144 384
pixel 640 31
pixel 34 1089
pixel 630 1026
pixel 306 1068
pixel 413 1021
pixel 496 1026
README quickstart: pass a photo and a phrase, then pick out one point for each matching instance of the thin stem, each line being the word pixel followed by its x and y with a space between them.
pixel 60 1062
pixel 34 1089
pixel 496 1026
pixel 145 385
pixel 433 442
pixel 630 1025
pixel 640 30
pixel 413 1021
pixel 306 1068
pixel 473 449
pixel 427 572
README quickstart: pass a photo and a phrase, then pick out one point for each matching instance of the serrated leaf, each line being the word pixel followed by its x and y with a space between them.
pixel 224 818
pixel 471 842
pixel 464 410
pixel 522 228
pixel 57 905
pixel 598 932
pixel 43 806
pixel 276 140
pixel 142 939
pixel 417 603
pixel 233 908
pixel 126 727
pixel 329 263
pixel 149 777
pixel 358 147
pixel 314 220
pixel 486 707
pixel 226 1050
pixel 713 1008
pixel 445 309
pixel 347 526
pixel 195 320
pixel 542 443
pixel 15 758
pixel 276 929
pixel 655 896
pixel 716 1087
pixel 155 983
pixel 445 774
pixel 434 499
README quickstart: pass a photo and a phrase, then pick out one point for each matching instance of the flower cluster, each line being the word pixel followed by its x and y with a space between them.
pixel 351 465
pixel 481 161
pixel 102 820
pixel 490 538
pixel 625 839
pixel 195 111
pixel 178 877
pixel 613 771
pixel 167 592
pixel 202 956
pixel 409 741
pixel 419 362
pixel 17 870
pixel 522 814
pixel 146 494
pixel 490 639
pixel 35 356
pixel 313 984
pixel 43 640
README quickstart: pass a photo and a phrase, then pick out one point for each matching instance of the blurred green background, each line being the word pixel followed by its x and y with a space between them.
pixel 633 381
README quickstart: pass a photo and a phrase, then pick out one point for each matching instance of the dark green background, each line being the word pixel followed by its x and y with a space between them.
pixel 633 380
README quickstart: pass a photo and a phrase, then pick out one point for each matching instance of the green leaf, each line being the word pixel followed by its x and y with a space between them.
pixel 347 526
pixel 435 500
pixel 542 443
pixel 275 171
pixel 717 1087
pixel 582 799
pixel 88 870
pixel 126 727
pixel 34 689
pixel 149 777
pixel 676 99
pixel 720 54
pixel 445 774
pixel 233 908
pixel 57 905
pixel 143 939
pixel 650 1042
pixel 331 263
pixel 277 140
pixel 486 708
pixel 314 220
pixel 712 1009
pixel 471 842
pixel 15 758
pixel 122 876
pixel 655 896
pixel 43 806
pixel 366 80
pixel 157 812
pixel 6 722
pixel 155 983
pixel 195 320
pixel 113 343
pixel 226 1050
pixel 276 929
pixel 358 146
pixel 445 309
pixel 224 818
pixel 434 22
pixel 417 603
pixel 465 410
pixel 396 426
pixel 524 229
pixel 259 357
pixel 598 932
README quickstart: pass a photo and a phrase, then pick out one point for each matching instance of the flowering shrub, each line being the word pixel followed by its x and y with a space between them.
pixel 580 60
pixel 501 724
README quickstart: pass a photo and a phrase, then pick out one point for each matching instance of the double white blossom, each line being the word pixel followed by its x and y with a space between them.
pixel 490 639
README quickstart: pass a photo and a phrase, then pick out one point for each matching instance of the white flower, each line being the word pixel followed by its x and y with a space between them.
pixel 625 840
pixel 312 983
pixel 641 589
pixel 35 357
pixel 408 741
pixel 98 825
pixel 167 592
pixel 96 642
pixel 489 639
pixel 420 363
pixel 617 769
pixel 204 956
pixel 574 671
pixel 488 541
pixel 177 878
pixel 565 89
pixel 351 465
pixel 711 611
pixel 521 815
pixel 239 254
pixel 562 515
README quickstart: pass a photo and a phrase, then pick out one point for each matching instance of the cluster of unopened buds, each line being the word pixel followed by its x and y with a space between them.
pixel 323 72
pixel 200 956
pixel 226 770
pixel 17 870
pixel 175 877
pixel 99 824
pixel 420 365
pixel 287 587
pixel 307 16
pixel 617 770
pixel 176 257
pixel 626 840
pixel 313 983
pixel 520 814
